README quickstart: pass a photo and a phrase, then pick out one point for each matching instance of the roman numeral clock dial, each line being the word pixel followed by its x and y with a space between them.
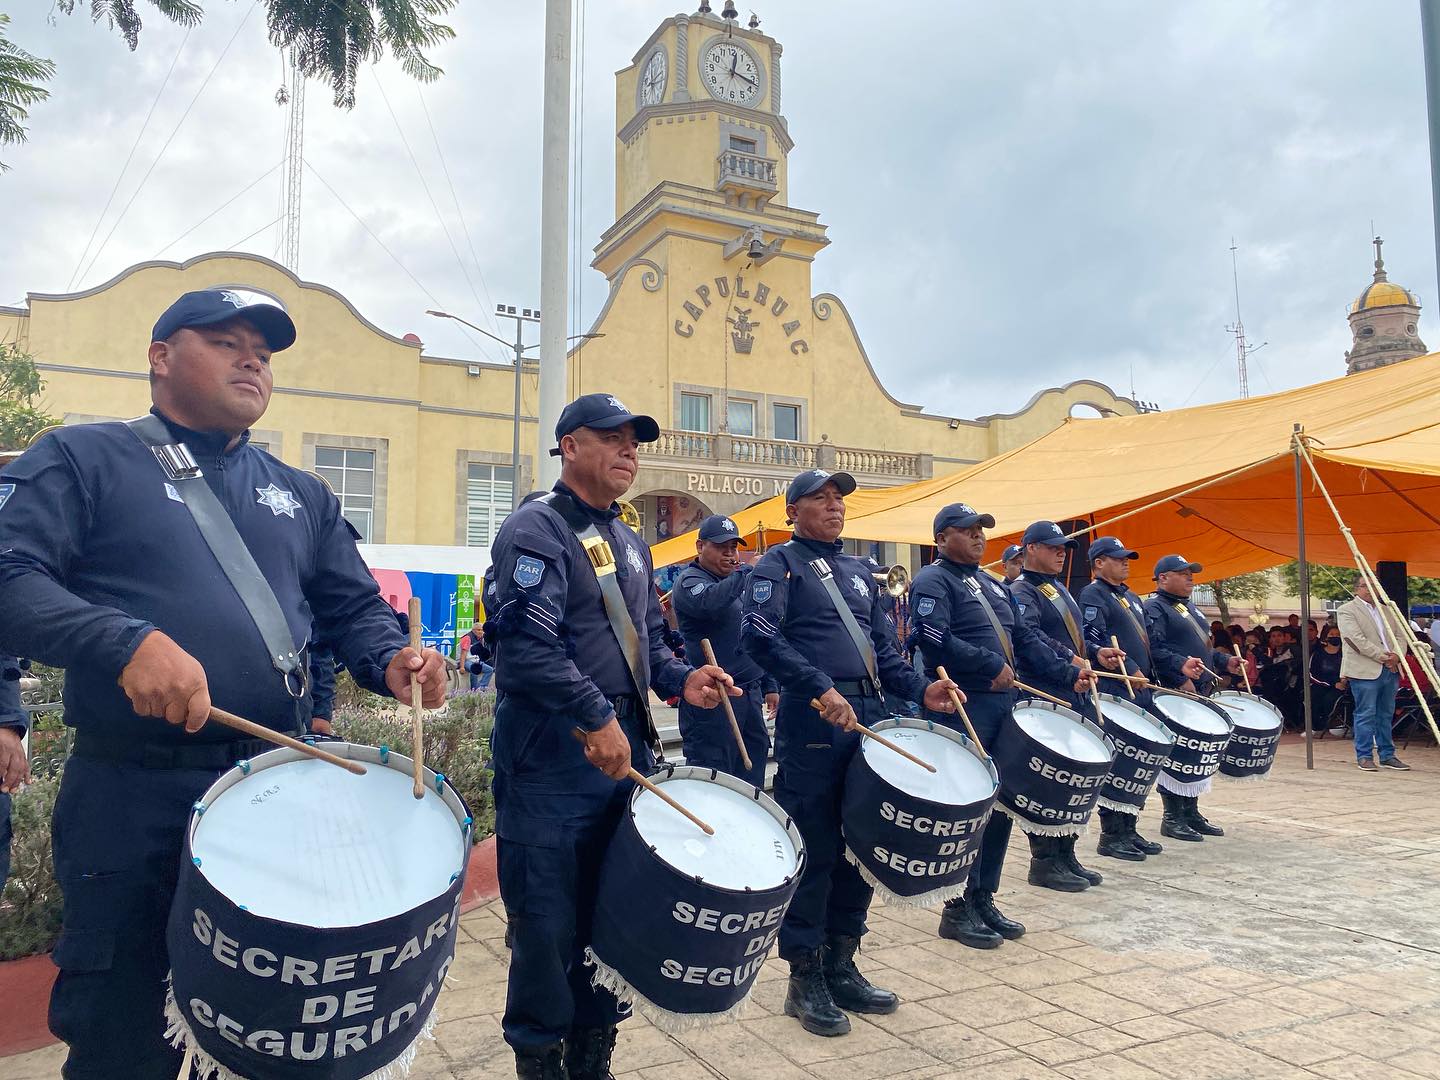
pixel 731 73
pixel 652 79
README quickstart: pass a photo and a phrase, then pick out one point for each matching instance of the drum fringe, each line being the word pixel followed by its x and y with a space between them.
pixel 1119 807
pixel 672 1023
pixel 1185 788
pixel 179 1035
pixel 1252 778
pixel 920 900
pixel 1028 826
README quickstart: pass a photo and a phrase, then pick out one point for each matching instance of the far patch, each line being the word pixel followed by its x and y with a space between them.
pixel 925 606
pixel 698 588
pixel 6 490
pixel 528 571
pixel 1091 613
pixel 761 590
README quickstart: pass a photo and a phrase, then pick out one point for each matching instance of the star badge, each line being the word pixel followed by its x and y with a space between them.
pixel 279 502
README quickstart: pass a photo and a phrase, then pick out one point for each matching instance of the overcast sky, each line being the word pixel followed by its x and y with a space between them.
pixel 1018 195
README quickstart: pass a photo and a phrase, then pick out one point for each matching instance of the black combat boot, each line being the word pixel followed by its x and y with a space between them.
pixel 544 1064
pixel 1048 869
pixel 982 903
pixel 851 990
pixel 1149 847
pixel 809 999
pixel 1071 863
pixel 1175 824
pixel 958 922
pixel 587 1053
pixel 1197 821
pixel 1115 838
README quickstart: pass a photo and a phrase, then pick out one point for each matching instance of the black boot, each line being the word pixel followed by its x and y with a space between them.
pixel 958 922
pixel 1115 839
pixel 545 1064
pixel 1048 869
pixel 1174 823
pixel 809 1000
pixel 1067 854
pixel 587 1053
pixel 851 990
pixel 1138 842
pixel 982 903
pixel 1196 820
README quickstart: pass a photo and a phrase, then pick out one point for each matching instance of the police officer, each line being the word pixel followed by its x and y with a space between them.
pixel 706 600
pixel 1109 610
pixel 561 667
pixel 14 769
pixel 813 620
pixel 1012 562
pixel 966 622
pixel 1047 607
pixel 1185 659
pixel 105 572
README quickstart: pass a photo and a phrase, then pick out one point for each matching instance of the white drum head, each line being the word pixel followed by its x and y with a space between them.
pixel 1251 713
pixel 959 778
pixel 1192 715
pixel 1060 733
pixel 1133 719
pixel 309 843
pixel 751 847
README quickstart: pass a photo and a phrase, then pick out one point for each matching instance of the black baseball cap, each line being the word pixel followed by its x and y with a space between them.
pixel 602 412
pixel 1171 563
pixel 1012 552
pixel 719 529
pixel 206 307
pixel 812 480
pixel 1047 532
pixel 1110 546
pixel 962 516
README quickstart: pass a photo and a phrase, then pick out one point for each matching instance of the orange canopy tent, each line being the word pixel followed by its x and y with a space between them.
pixel 1215 483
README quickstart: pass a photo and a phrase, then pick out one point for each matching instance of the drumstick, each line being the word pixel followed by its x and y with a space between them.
pixel 1244 671
pixel 1041 694
pixel 815 704
pixel 255 731
pixel 729 711
pixel 960 708
pixel 1200 697
pixel 1115 644
pixel 188 1064
pixel 654 789
pixel 417 707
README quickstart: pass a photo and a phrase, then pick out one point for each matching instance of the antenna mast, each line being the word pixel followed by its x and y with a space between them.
pixel 1242 347
pixel 294 168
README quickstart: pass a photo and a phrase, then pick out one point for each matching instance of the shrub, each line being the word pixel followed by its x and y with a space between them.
pixel 30 906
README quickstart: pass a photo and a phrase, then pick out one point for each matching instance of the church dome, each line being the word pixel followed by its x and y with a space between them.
pixel 1384 294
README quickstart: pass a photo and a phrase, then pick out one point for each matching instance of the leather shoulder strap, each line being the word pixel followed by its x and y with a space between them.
pixel 979 590
pixel 821 569
pixel 1051 593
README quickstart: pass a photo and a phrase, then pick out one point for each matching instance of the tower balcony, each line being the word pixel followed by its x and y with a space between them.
pixel 746 180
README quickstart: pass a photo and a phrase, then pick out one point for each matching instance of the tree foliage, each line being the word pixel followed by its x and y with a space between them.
pixel 20 384
pixel 1242 588
pixel 20 77
pixel 1338 583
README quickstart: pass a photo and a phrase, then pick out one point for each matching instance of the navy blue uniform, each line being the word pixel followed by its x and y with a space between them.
pixel 793 631
pixel 13 716
pixel 558 666
pixel 95 553
pixel 322 684
pixel 1113 610
pixel 1179 631
pixel 1036 596
pixel 947 618
pixel 707 606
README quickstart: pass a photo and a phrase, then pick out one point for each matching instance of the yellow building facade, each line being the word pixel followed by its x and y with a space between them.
pixel 710 325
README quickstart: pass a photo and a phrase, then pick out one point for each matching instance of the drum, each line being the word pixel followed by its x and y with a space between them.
pixel 1052 764
pixel 684 921
pixel 911 833
pixel 1251 749
pixel 1202 729
pixel 315 916
pixel 1142 745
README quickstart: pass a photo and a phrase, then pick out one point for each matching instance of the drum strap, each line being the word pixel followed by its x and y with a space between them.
pixel 1139 627
pixel 847 617
pixel 229 549
pixel 1051 593
pixel 1203 636
pixel 995 623
pixel 602 560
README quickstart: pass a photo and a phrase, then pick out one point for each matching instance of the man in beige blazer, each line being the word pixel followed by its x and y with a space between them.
pixel 1370 661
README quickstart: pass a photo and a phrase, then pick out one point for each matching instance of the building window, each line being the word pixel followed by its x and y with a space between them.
pixel 695 412
pixel 786 422
pixel 740 417
pixel 351 474
pixel 745 146
pixel 489 495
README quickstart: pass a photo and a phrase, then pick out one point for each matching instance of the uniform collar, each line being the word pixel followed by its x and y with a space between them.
pixel 1172 597
pixel 819 547
pixel 1035 577
pixel 203 444
pixel 695 565
pixel 965 569
pixel 1119 590
pixel 595 514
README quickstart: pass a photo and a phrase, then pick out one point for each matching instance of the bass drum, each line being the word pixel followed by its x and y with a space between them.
pixel 1052 764
pixel 1142 746
pixel 1202 730
pixel 1250 753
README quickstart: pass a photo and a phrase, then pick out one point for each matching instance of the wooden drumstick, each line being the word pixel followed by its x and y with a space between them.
pixel 964 716
pixel 654 789
pixel 729 711
pixel 1244 671
pixel 1041 694
pixel 255 731
pixel 417 707
pixel 815 704
pixel 1115 644
pixel 188 1064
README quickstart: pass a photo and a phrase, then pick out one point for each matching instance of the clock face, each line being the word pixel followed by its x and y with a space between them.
pixel 730 73
pixel 652 79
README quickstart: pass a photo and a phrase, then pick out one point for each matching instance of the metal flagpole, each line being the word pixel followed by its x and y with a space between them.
pixel 1430 34
pixel 554 219
pixel 1304 596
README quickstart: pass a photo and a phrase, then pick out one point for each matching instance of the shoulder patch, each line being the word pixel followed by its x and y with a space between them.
pixel 761 591
pixel 528 571
pixel 1091 613
pixel 6 490
pixel 1021 607
pixel 698 588
pixel 924 606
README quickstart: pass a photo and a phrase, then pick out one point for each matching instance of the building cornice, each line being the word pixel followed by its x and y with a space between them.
pixel 698 108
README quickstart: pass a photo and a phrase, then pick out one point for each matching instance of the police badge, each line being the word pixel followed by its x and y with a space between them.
pixel 528 571
pixel 924 606
pixel 760 591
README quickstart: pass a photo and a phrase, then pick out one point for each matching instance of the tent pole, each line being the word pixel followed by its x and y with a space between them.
pixel 1304 597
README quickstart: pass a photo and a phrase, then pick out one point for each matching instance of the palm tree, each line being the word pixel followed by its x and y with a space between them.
pixel 20 77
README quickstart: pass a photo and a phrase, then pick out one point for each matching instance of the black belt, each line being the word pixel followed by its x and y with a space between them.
pixel 209 756
pixel 626 706
pixel 861 688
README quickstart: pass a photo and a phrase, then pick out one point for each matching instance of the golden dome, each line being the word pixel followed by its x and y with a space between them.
pixel 1384 294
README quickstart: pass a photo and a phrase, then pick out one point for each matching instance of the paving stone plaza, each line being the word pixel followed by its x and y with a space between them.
pixel 1305 943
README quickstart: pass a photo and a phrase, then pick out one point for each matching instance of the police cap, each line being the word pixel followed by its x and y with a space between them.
pixel 1110 546
pixel 962 516
pixel 812 480
pixel 1047 532
pixel 719 529
pixel 206 307
pixel 602 412
pixel 1171 563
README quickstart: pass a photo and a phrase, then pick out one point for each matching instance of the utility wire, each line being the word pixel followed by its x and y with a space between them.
pixel 256 233
pixel 222 206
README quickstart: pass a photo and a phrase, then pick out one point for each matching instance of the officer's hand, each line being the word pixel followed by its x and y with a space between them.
pixel 834 709
pixel 1234 664
pixel 1113 659
pixel 609 750
pixel 1193 668
pixel 1187 686
pixel 1085 681
pixel 1139 681
pixel 937 696
pixel 14 769
pixel 772 705
pixel 320 726
pixel 706 684
pixel 162 679
pixel 431 667
pixel 1005 680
